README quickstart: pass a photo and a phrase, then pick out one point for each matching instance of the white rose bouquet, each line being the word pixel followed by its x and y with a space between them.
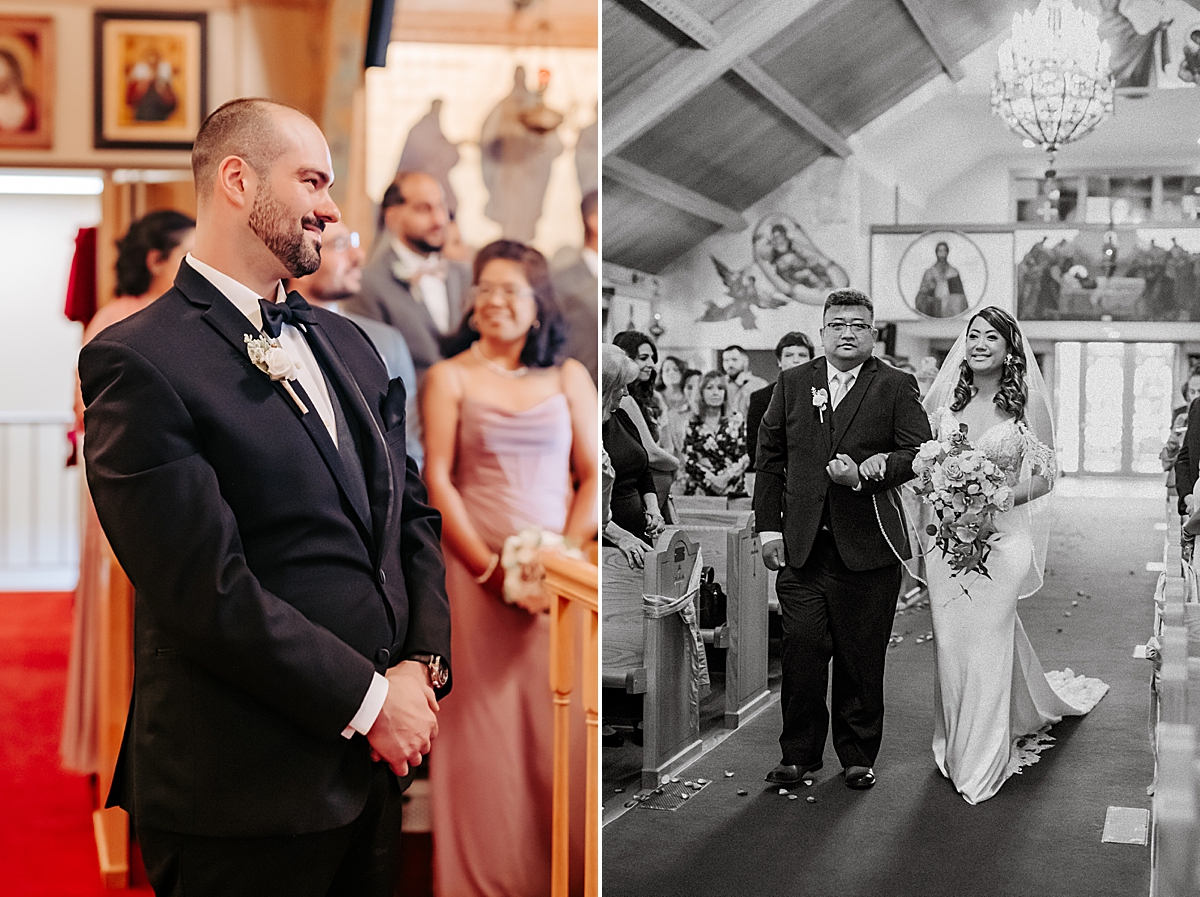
pixel 524 576
pixel 966 490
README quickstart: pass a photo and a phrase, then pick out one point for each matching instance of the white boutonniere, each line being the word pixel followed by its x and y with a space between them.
pixel 820 401
pixel 269 357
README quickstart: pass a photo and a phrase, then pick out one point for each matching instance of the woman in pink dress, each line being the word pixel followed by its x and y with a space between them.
pixel 148 258
pixel 510 442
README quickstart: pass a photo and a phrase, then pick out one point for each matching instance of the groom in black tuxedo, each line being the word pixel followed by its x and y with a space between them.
pixel 291 627
pixel 839 430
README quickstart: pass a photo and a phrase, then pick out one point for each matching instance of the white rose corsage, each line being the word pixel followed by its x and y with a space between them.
pixel 269 357
pixel 524 576
pixel 820 400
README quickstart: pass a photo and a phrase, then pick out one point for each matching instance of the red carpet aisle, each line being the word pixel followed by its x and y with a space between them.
pixel 46 843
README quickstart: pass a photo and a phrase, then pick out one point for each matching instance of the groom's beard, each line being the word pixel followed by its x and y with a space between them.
pixel 272 224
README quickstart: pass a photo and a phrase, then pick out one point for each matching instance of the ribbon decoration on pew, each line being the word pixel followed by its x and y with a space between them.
pixel 658 606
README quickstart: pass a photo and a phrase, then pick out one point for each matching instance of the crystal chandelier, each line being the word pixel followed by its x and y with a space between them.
pixel 1053 84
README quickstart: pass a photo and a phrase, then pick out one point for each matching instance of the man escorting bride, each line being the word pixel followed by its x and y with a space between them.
pixel 836 444
pixel 992 701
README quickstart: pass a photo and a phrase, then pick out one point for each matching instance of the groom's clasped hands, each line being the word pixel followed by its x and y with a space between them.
pixel 407 724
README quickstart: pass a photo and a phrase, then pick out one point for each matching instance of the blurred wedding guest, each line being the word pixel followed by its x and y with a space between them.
pixel 646 410
pixel 510 443
pixel 714 450
pixel 742 384
pixel 927 371
pixel 407 283
pixel 577 287
pixel 673 404
pixel 148 258
pixel 338 280
pixel 792 350
pixel 1179 422
pixel 617 372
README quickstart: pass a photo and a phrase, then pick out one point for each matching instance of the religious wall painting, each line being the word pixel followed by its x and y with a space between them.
pixel 785 267
pixel 151 75
pixel 26 82
pixel 1101 274
pixel 1152 43
pixel 939 273
pixel 942 274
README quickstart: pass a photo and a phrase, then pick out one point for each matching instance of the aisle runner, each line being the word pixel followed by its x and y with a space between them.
pixel 912 834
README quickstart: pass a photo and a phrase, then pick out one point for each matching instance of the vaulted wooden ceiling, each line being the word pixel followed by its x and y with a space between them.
pixel 709 105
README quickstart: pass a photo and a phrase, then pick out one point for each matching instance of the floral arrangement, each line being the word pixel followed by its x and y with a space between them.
pixel 269 357
pixel 966 490
pixel 524 576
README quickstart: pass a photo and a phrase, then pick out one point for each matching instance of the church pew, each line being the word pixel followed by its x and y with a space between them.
pixel 1174 813
pixel 729 545
pixel 648 656
pixel 686 503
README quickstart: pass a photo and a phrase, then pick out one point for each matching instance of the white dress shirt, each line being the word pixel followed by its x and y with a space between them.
pixel 431 287
pixel 830 373
pixel 293 342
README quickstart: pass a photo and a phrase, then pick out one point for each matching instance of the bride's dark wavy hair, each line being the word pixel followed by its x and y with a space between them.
pixel 1012 394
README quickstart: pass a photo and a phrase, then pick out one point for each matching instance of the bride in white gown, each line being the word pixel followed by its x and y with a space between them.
pixel 992 701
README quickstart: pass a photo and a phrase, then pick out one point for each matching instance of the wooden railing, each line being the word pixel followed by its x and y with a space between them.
pixel 575 587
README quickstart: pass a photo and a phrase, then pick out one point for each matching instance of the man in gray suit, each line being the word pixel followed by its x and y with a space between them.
pixel 407 284
pixel 577 286
pixel 339 280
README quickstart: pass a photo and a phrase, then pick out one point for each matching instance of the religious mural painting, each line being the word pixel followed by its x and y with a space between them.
pixel 942 274
pixel 26 82
pixel 1153 43
pixel 785 266
pixel 151 79
pixel 1101 274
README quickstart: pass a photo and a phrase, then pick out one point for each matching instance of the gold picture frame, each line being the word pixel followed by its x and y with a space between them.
pixel 26 82
pixel 151 83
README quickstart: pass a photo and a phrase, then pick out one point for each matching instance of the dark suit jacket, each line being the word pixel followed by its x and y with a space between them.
pixel 881 413
pixel 759 400
pixel 265 601
pixel 1188 459
pixel 577 290
pixel 384 297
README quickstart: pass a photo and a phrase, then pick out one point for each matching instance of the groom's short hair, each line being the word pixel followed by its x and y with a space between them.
pixel 848 298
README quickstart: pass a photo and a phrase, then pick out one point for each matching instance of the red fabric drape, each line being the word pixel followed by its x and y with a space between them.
pixel 81 289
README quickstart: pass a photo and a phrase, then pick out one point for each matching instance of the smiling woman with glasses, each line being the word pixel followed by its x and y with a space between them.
pixel 510 442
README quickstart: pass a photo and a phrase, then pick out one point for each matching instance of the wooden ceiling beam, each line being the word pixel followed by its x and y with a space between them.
pixel 667 191
pixel 662 90
pixel 703 32
pixel 933 36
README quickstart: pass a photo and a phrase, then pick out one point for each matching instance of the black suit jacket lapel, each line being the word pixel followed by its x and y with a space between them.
pixel 378 466
pixel 224 317
pixel 848 407
pixel 820 381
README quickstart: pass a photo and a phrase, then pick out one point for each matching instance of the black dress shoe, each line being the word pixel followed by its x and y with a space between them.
pixel 790 774
pixel 860 777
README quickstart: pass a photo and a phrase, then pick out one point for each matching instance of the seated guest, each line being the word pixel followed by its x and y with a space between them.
pixel 407 283
pixel 148 258
pixel 647 411
pixel 735 362
pixel 715 457
pixel 510 443
pixel 338 280
pixel 618 371
pixel 1179 420
pixel 792 350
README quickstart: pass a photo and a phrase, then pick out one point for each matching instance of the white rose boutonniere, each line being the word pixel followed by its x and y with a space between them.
pixel 820 401
pixel 269 357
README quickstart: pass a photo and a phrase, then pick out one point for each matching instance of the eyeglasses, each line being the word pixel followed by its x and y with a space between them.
pixel 342 242
pixel 506 291
pixel 858 328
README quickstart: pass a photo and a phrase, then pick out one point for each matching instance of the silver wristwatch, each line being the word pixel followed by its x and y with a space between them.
pixel 439 673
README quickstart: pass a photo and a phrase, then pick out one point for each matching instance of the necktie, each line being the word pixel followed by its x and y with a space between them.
pixel 276 314
pixel 841 386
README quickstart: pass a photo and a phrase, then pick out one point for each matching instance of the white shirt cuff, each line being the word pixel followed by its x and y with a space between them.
pixel 769 536
pixel 369 709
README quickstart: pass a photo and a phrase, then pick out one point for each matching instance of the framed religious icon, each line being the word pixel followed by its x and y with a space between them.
pixel 942 274
pixel 26 82
pixel 151 78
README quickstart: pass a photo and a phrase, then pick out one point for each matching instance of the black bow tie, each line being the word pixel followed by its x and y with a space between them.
pixel 291 310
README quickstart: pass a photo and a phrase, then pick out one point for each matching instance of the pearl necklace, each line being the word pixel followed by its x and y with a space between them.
pixel 491 365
